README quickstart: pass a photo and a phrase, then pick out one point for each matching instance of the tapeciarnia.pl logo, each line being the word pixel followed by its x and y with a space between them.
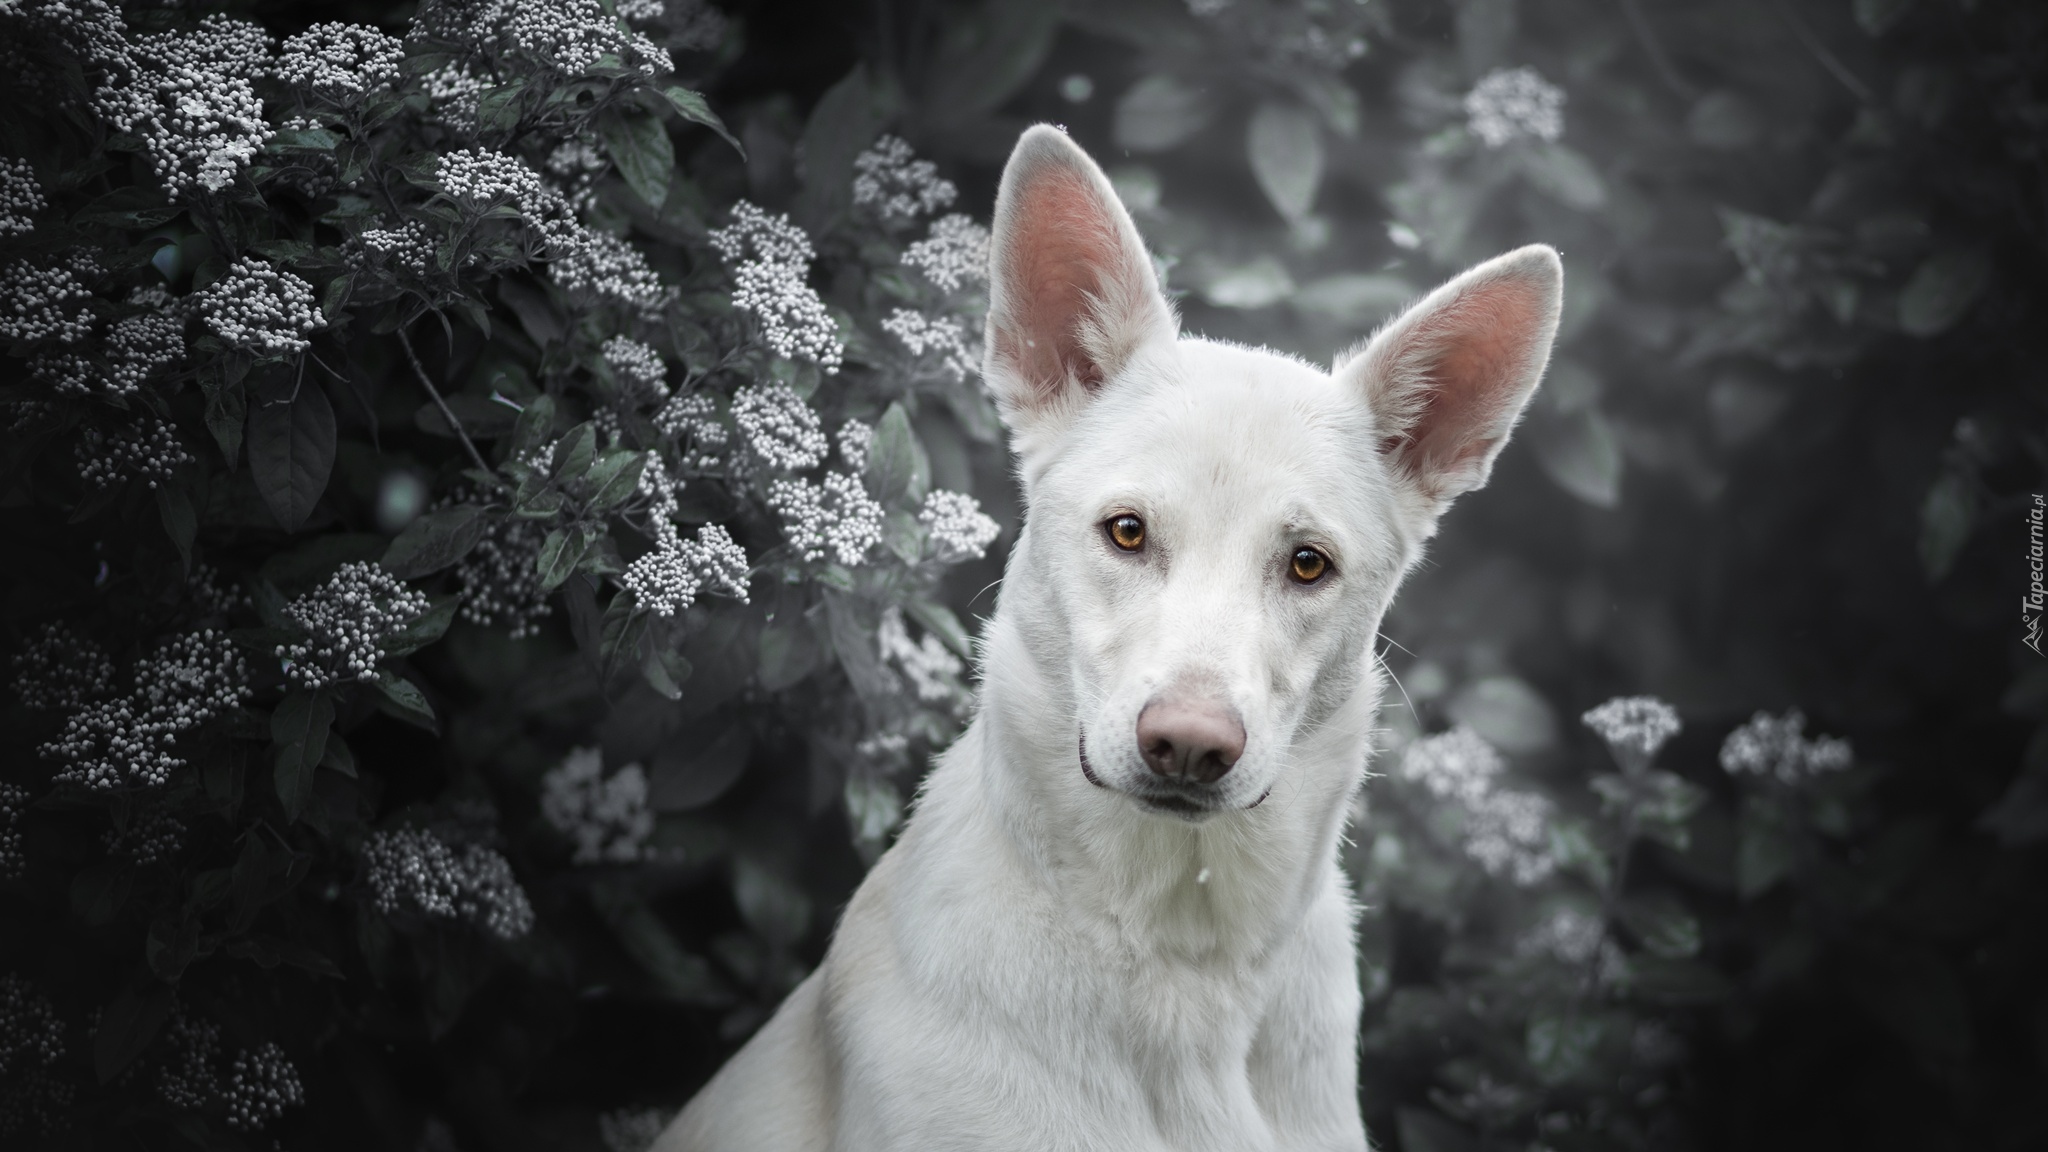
pixel 2036 598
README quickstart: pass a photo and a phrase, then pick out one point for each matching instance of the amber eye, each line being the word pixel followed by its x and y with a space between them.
pixel 1308 566
pixel 1126 532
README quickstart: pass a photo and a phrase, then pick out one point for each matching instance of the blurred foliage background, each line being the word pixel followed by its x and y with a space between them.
pixel 624 339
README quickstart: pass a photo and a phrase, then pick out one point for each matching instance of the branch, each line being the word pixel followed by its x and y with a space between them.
pixel 446 413
pixel 1828 60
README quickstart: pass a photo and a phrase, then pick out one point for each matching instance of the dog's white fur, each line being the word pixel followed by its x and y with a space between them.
pixel 1046 963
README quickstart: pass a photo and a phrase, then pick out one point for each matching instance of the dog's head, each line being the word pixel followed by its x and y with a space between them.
pixel 1214 532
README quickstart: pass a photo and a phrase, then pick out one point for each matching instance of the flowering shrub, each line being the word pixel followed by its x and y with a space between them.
pixel 493 554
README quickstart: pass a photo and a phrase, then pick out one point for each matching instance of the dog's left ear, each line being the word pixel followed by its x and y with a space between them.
pixel 1072 294
pixel 1447 379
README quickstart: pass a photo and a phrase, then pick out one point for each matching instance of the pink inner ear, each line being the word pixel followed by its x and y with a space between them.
pixel 1471 361
pixel 1064 246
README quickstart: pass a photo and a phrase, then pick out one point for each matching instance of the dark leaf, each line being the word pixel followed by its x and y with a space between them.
pixel 897 470
pixel 99 892
pixel 298 733
pixel 639 146
pixel 698 765
pixel 181 523
pixel 692 107
pixel 677 973
pixel 291 452
pixel 435 541
pixel 426 628
pixel 127 1026
pixel 401 699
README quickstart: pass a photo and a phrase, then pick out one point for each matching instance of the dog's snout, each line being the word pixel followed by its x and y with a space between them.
pixel 1190 739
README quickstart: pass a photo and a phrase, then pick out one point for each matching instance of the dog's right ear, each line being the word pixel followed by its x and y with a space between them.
pixel 1072 295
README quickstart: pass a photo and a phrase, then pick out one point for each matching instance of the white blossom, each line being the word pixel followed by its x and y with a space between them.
pixel 942 337
pixel 151 837
pixel 1776 746
pixel 260 1086
pixel 188 681
pixel 1455 765
pixel 189 1080
pixel 257 307
pixel 455 93
pixel 952 254
pixel 500 578
pixel 480 179
pixel 933 671
pixel 779 427
pixel 347 621
pixel 1567 934
pixel 606 817
pixel 889 179
pixel 147 450
pixel 572 36
pixel 59 670
pixel 699 436
pixel 193 102
pixel 956 526
pixel 667 580
pixel 600 264
pixel 339 62
pixel 839 516
pixel 42 302
pixel 1635 727
pixel 31 1036
pixel 21 197
pixel 1507 832
pixel 1513 103
pixel 770 259
pixel 13 861
pixel 407 248
pixel 854 439
pixel 639 368
pixel 140 346
pixel 576 164
pixel 413 871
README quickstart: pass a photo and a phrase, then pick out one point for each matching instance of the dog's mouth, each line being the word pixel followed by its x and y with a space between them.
pixel 1190 802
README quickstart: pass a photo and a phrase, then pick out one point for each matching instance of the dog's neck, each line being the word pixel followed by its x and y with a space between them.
pixel 1152 887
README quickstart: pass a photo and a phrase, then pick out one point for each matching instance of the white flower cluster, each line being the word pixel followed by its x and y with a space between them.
pixel 13 861
pixel 600 264
pixel 60 670
pixel 42 302
pixel 31 1036
pixel 189 1080
pixel 667 580
pixel 639 367
pixel 889 179
pixel 339 62
pixel 1776 746
pixel 576 164
pixel 193 102
pixel 480 180
pixel 408 248
pixel 607 818
pixel 152 837
pixel 412 870
pixel 261 1085
pixel 934 672
pixel 1635 728
pixel 840 516
pixel 640 11
pixel 211 594
pixel 456 94
pixel 1567 934
pixel 770 259
pixel 632 1129
pixel 347 620
pixel 574 35
pixel 943 337
pixel 956 526
pixel 148 450
pixel 1507 832
pixel 140 346
pixel 187 682
pixel 257 307
pixel 500 578
pixel 21 197
pixel 779 427
pixel 954 253
pixel 1515 103
pixel 854 439
pixel 692 422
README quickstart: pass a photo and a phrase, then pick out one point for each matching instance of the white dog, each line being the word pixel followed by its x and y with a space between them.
pixel 1116 920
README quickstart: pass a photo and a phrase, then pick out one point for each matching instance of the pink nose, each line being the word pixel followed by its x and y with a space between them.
pixel 1190 738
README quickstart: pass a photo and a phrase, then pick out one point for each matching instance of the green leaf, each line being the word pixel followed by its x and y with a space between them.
pixel 698 766
pixel 986 55
pixel 498 109
pixel 563 550
pixel 897 470
pixel 1663 925
pixel 1560 1049
pixel 291 452
pixel 615 476
pixel 172 943
pixel 789 650
pixel 772 905
pixel 1765 846
pixel 226 413
pixel 298 734
pixel 574 453
pixel 338 756
pixel 181 523
pixel 136 206
pixel 677 972
pixel 1285 148
pixel 100 892
pixel 1565 175
pixel 1580 453
pixel 127 1026
pixel 1159 112
pixel 435 541
pixel 535 426
pixel 1942 289
pixel 640 148
pixel 401 699
pixel 426 628
pixel 846 120
pixel 940 621
pixel 692 107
